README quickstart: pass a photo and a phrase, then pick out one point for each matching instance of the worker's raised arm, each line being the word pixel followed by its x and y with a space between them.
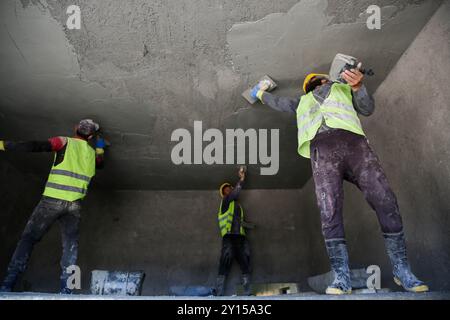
pixel 55 144
pixel 234 195
pixel 283 104
pixel 362 101
pixel 51 145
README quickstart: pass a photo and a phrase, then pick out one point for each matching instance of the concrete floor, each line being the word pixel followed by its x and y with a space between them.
pixel 444 295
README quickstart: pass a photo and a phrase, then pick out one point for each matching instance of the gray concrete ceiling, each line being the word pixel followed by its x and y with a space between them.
pixel 146 68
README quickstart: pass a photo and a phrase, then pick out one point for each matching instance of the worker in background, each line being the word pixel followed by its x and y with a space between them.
pixel 331 135
pixel 234 241
pixel 73 168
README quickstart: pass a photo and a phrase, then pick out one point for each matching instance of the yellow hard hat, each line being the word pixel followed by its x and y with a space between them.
pixel 310 76
pixel 226 184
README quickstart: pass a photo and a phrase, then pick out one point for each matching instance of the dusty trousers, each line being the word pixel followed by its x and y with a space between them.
pixel 234 246
pixel 47 212
pixel 338 155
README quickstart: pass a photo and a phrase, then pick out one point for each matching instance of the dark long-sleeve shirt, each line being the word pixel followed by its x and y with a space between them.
pixel 233 196
pixel 362 101
pixel 55 144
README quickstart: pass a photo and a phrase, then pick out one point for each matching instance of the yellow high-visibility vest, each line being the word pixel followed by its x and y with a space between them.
pixel 69 180
pixel 226 219
pixel 337 111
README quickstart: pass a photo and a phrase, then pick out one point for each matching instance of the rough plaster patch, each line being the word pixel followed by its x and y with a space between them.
pixel 154 93
pixel 287 46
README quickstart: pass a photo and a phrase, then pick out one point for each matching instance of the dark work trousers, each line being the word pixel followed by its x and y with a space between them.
pixel 234 246
pixel 338 155
pixel 44 215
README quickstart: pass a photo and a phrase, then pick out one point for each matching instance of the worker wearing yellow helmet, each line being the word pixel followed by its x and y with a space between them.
pixel 330 134
pixel 232 229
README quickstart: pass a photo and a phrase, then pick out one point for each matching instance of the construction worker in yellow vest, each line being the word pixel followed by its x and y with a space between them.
pixel 234 241
pixel 331 136
pixel 73 169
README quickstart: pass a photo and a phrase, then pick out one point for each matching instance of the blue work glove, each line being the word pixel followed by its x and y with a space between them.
pixel 100 143
pixel 262 86
pixel 254 92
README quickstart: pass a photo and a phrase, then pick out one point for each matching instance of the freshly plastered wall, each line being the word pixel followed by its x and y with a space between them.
pixel 146 68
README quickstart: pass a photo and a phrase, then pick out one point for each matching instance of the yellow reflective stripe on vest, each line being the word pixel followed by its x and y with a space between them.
pixel 305 116
pixel 304 128
pixel 65 188
pixel 70 174
pixel 337 104
pixel 343 117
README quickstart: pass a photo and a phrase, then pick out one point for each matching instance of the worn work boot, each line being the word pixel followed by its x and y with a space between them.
pixel 246 284
pixel 65 291
pixel 337 252
pixel 396 250
pixel 4 288
pixel 8 282
pixel 64 288
pixel 220 285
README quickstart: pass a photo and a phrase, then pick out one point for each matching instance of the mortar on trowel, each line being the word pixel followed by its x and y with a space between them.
pixel 268 80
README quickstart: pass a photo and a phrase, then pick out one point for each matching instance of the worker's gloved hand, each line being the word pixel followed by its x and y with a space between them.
pixel 100 143
pixel 260 88
pixel 2 145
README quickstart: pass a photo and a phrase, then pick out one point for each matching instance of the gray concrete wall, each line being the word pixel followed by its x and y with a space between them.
pixel 173 236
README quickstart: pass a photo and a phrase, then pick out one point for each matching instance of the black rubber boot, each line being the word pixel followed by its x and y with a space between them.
pixel 396 250
pixel 337 252
pixel 220 286
pixel 246 284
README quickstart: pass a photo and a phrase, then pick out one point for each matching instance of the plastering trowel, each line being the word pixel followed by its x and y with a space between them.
pixel 246 93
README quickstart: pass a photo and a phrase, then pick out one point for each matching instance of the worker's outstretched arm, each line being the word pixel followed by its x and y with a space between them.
pixel 283 104
pixel 55 144
pixel 29 146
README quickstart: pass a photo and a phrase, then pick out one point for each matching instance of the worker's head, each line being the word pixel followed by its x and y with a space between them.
pixel 86 129
pixel 313 80
pixel 225 189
